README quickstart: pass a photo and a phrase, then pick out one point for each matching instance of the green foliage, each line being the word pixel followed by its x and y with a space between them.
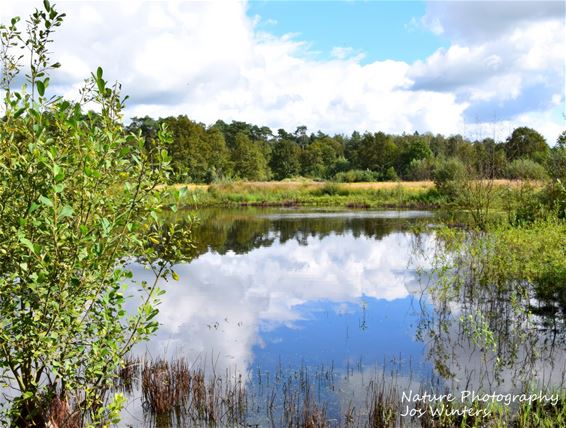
pixel 416 149
pixel 509 286
pixel 449 176
pixel 200 154
pixel 526 143
pixel 79 200
pixel 527 204
pixel 285 159
pixel 525 169
pixel 556 162
pixel 475 195
pixel 421 169
pixel 309 193
pixel 249 161
pixel 341 165
pixel 320 156
pixel 554 197
pixel 377 152
pixel 390 174
pixel 489 158
pixel 356 176
pixel 329 189
pixel 531 254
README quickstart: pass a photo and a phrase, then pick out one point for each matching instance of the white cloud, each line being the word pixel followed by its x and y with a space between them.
pixel 343 53
pixel 506 61
pixel 210 60
pixel 477 20
pixel 526 56
pixel 222 301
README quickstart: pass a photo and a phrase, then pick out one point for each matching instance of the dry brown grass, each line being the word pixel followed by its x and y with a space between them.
pixel 251 186
pixel 408 185
pixel 189 186
pixel 262 186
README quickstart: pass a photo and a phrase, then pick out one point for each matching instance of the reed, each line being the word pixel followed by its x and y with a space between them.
pixel 383 402
pixel 165 385
pixel 176 394
pixel 129 373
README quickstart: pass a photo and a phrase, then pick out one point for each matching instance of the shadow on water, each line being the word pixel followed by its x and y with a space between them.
pixel 323 319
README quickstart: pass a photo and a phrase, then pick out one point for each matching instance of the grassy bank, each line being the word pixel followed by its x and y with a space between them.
pixel 310 193
pixel 412 194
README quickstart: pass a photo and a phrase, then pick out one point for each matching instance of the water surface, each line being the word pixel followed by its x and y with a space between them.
pixel 276 292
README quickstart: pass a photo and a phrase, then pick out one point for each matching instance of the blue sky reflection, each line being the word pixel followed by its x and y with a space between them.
pixel 336 299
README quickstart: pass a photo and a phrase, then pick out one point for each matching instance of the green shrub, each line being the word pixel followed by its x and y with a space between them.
pixel 556 163
pixel 329 189
pixel 421 169
pixel 356 176
pixel 527 203
pixel 449 176
pixel 79 198
pixel 390 175
pixel 525 169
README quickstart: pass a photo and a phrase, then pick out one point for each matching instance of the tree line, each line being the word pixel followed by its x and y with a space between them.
pixel 240 150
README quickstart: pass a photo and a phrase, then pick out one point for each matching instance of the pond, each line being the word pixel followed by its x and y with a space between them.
pixel 326 303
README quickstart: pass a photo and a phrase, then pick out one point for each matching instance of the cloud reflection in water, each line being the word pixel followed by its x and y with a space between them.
pixel 271 299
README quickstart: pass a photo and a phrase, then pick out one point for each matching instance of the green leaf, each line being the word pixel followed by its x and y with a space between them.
pixel 33 207
pixel 40 88
pixel 100 83
pixel 99 73
pixel 175 275
pixel 66 211
pixel 27 243
pixel 46 201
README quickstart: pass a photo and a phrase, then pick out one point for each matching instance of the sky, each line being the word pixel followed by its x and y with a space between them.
pixel 477 68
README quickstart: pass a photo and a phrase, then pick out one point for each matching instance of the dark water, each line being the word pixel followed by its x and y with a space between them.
pixel 271 292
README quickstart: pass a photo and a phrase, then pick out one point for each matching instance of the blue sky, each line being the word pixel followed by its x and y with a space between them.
pixel 380 29
pixel 475 68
